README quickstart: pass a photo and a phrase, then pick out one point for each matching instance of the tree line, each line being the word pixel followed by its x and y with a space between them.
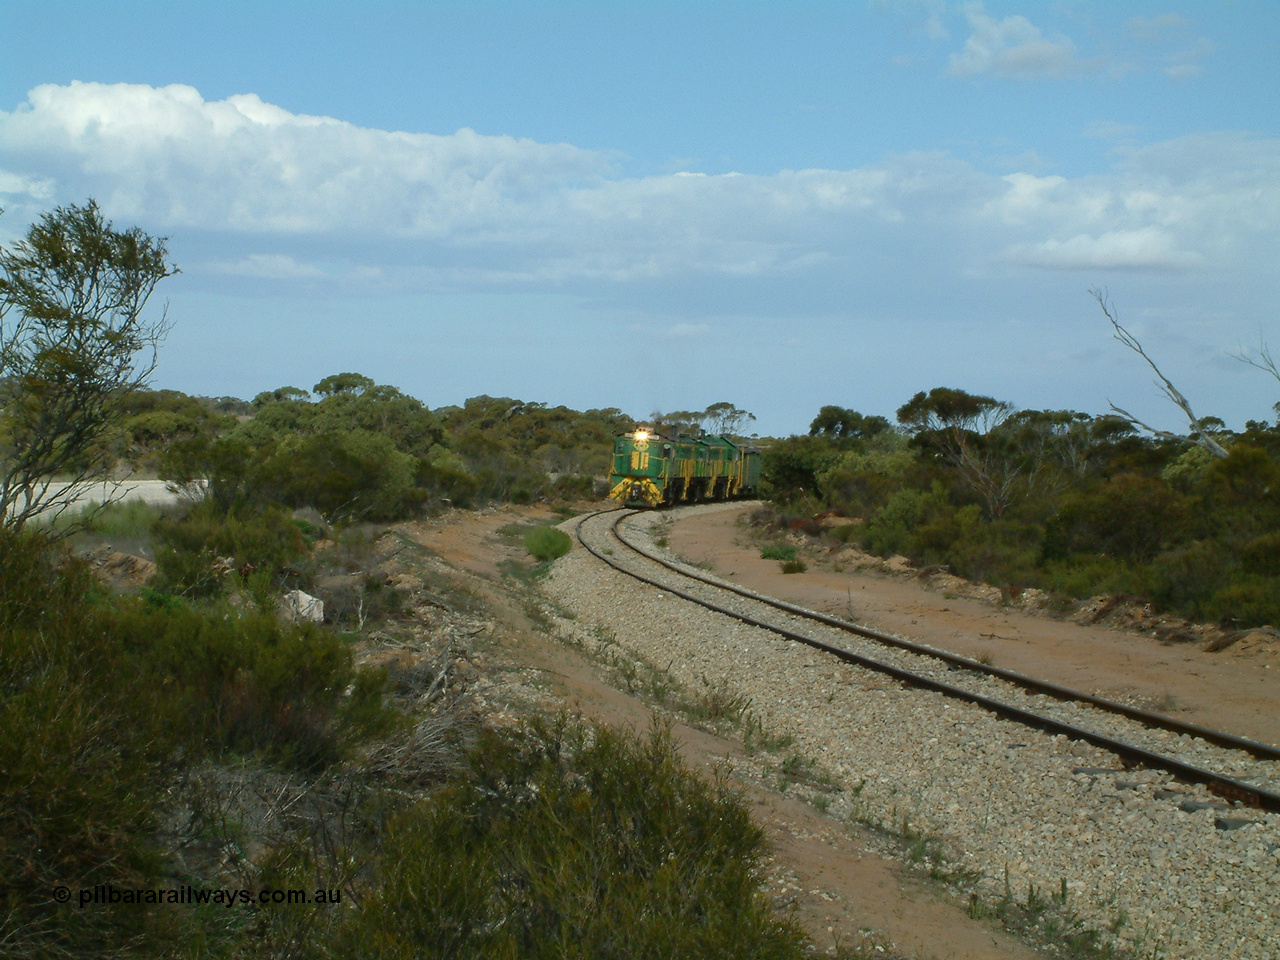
pixel 1064 501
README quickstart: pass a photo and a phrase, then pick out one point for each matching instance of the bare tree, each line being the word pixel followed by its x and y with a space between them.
pixel 73 346
pixel 1264 362
pixel 1199 433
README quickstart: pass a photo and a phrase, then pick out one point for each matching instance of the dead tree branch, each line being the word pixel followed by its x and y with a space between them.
pixel 1199 435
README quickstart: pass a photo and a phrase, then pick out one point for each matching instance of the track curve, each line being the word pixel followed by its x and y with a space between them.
pixel 1132 754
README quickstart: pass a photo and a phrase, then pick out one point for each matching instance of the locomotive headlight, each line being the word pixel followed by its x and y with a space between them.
pixel 642 434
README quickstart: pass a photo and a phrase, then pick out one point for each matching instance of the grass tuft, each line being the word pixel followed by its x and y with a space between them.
pixel 547 543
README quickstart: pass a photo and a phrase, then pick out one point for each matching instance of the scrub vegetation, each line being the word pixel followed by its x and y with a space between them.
pixel 1066 502
pixel 185 734
pixel 433 833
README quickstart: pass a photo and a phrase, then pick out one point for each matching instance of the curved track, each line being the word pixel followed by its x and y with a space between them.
pixel 1131 754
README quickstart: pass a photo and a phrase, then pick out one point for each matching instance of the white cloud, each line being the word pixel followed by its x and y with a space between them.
pixel 267 266
pixel 1185 64
pixel 1015 48
pixel 1109 130
pixel 313 199
pixel 1183 71
pixel 37 188
pixel 1145 249
pixel 169 156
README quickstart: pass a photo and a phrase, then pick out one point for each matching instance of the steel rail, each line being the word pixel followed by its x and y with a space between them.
pixel 1222 785
pixel 1262 751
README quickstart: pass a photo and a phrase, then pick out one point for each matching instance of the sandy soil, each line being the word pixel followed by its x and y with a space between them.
pixel 845 887
pixel 1236 689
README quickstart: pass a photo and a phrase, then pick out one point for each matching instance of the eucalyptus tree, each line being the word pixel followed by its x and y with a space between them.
pixel 75 342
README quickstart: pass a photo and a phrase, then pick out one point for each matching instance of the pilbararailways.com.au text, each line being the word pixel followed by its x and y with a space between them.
pixel 105 895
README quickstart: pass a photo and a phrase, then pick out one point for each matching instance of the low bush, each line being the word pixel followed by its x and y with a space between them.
pixel 777 551
pixel 1251 602
pixel 794 566
pixel 547 543
pixel 575 842
pixel 195 553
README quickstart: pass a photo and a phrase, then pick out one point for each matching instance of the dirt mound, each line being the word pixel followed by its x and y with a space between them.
pixel 121 571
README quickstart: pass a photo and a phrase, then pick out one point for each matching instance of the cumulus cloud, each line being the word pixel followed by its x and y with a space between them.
pixel 288 197
pixel 1014 48
pixel 167 155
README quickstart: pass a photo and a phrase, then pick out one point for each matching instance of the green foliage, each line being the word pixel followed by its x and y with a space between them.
pixel 1181 578
pixel 891 529
pixel 777 551
pixel 547 543
pixel 345 474
pixel 1129 516
pixel 1261 555
pixel 1004 553
pixel 1251 601
pixel 86 761
pixel 195 553
pixel 794 566
pixel 80 757
pixel 356 454
pixel 153 420
pixel 1088 575
pixel 791 467
pixel 862 480
pixel 841 423
pixel 73 346
pixel 1056 499
pixel 571 843
pixel 247 683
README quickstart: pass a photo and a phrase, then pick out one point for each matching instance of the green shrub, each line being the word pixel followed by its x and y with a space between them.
pixel 246 683
pixel 777 551
pixel 1183 578
pixel 1262 555
pixel 124 520
pixel 1130 516
pixel 103 700
pixel 891 529
pixel 82 758
pixel 794 566
pixel 1251 602
pixel 847 532
pixel 192 552
pixel 345 474
pixel 1003 552
pixel 1087 575
pixel 575 843
pixel 547 543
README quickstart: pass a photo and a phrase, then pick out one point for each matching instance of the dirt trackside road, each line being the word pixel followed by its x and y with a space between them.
pixel 1236 689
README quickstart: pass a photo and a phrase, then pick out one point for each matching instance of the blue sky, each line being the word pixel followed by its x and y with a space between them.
pixel 660 206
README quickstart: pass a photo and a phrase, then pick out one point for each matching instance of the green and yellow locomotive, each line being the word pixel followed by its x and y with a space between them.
pixel 655 470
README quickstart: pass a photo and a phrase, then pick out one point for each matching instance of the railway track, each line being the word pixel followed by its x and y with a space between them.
pixel 1241 764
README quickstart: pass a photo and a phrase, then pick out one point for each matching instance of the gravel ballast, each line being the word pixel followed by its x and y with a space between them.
pixel 1006 800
